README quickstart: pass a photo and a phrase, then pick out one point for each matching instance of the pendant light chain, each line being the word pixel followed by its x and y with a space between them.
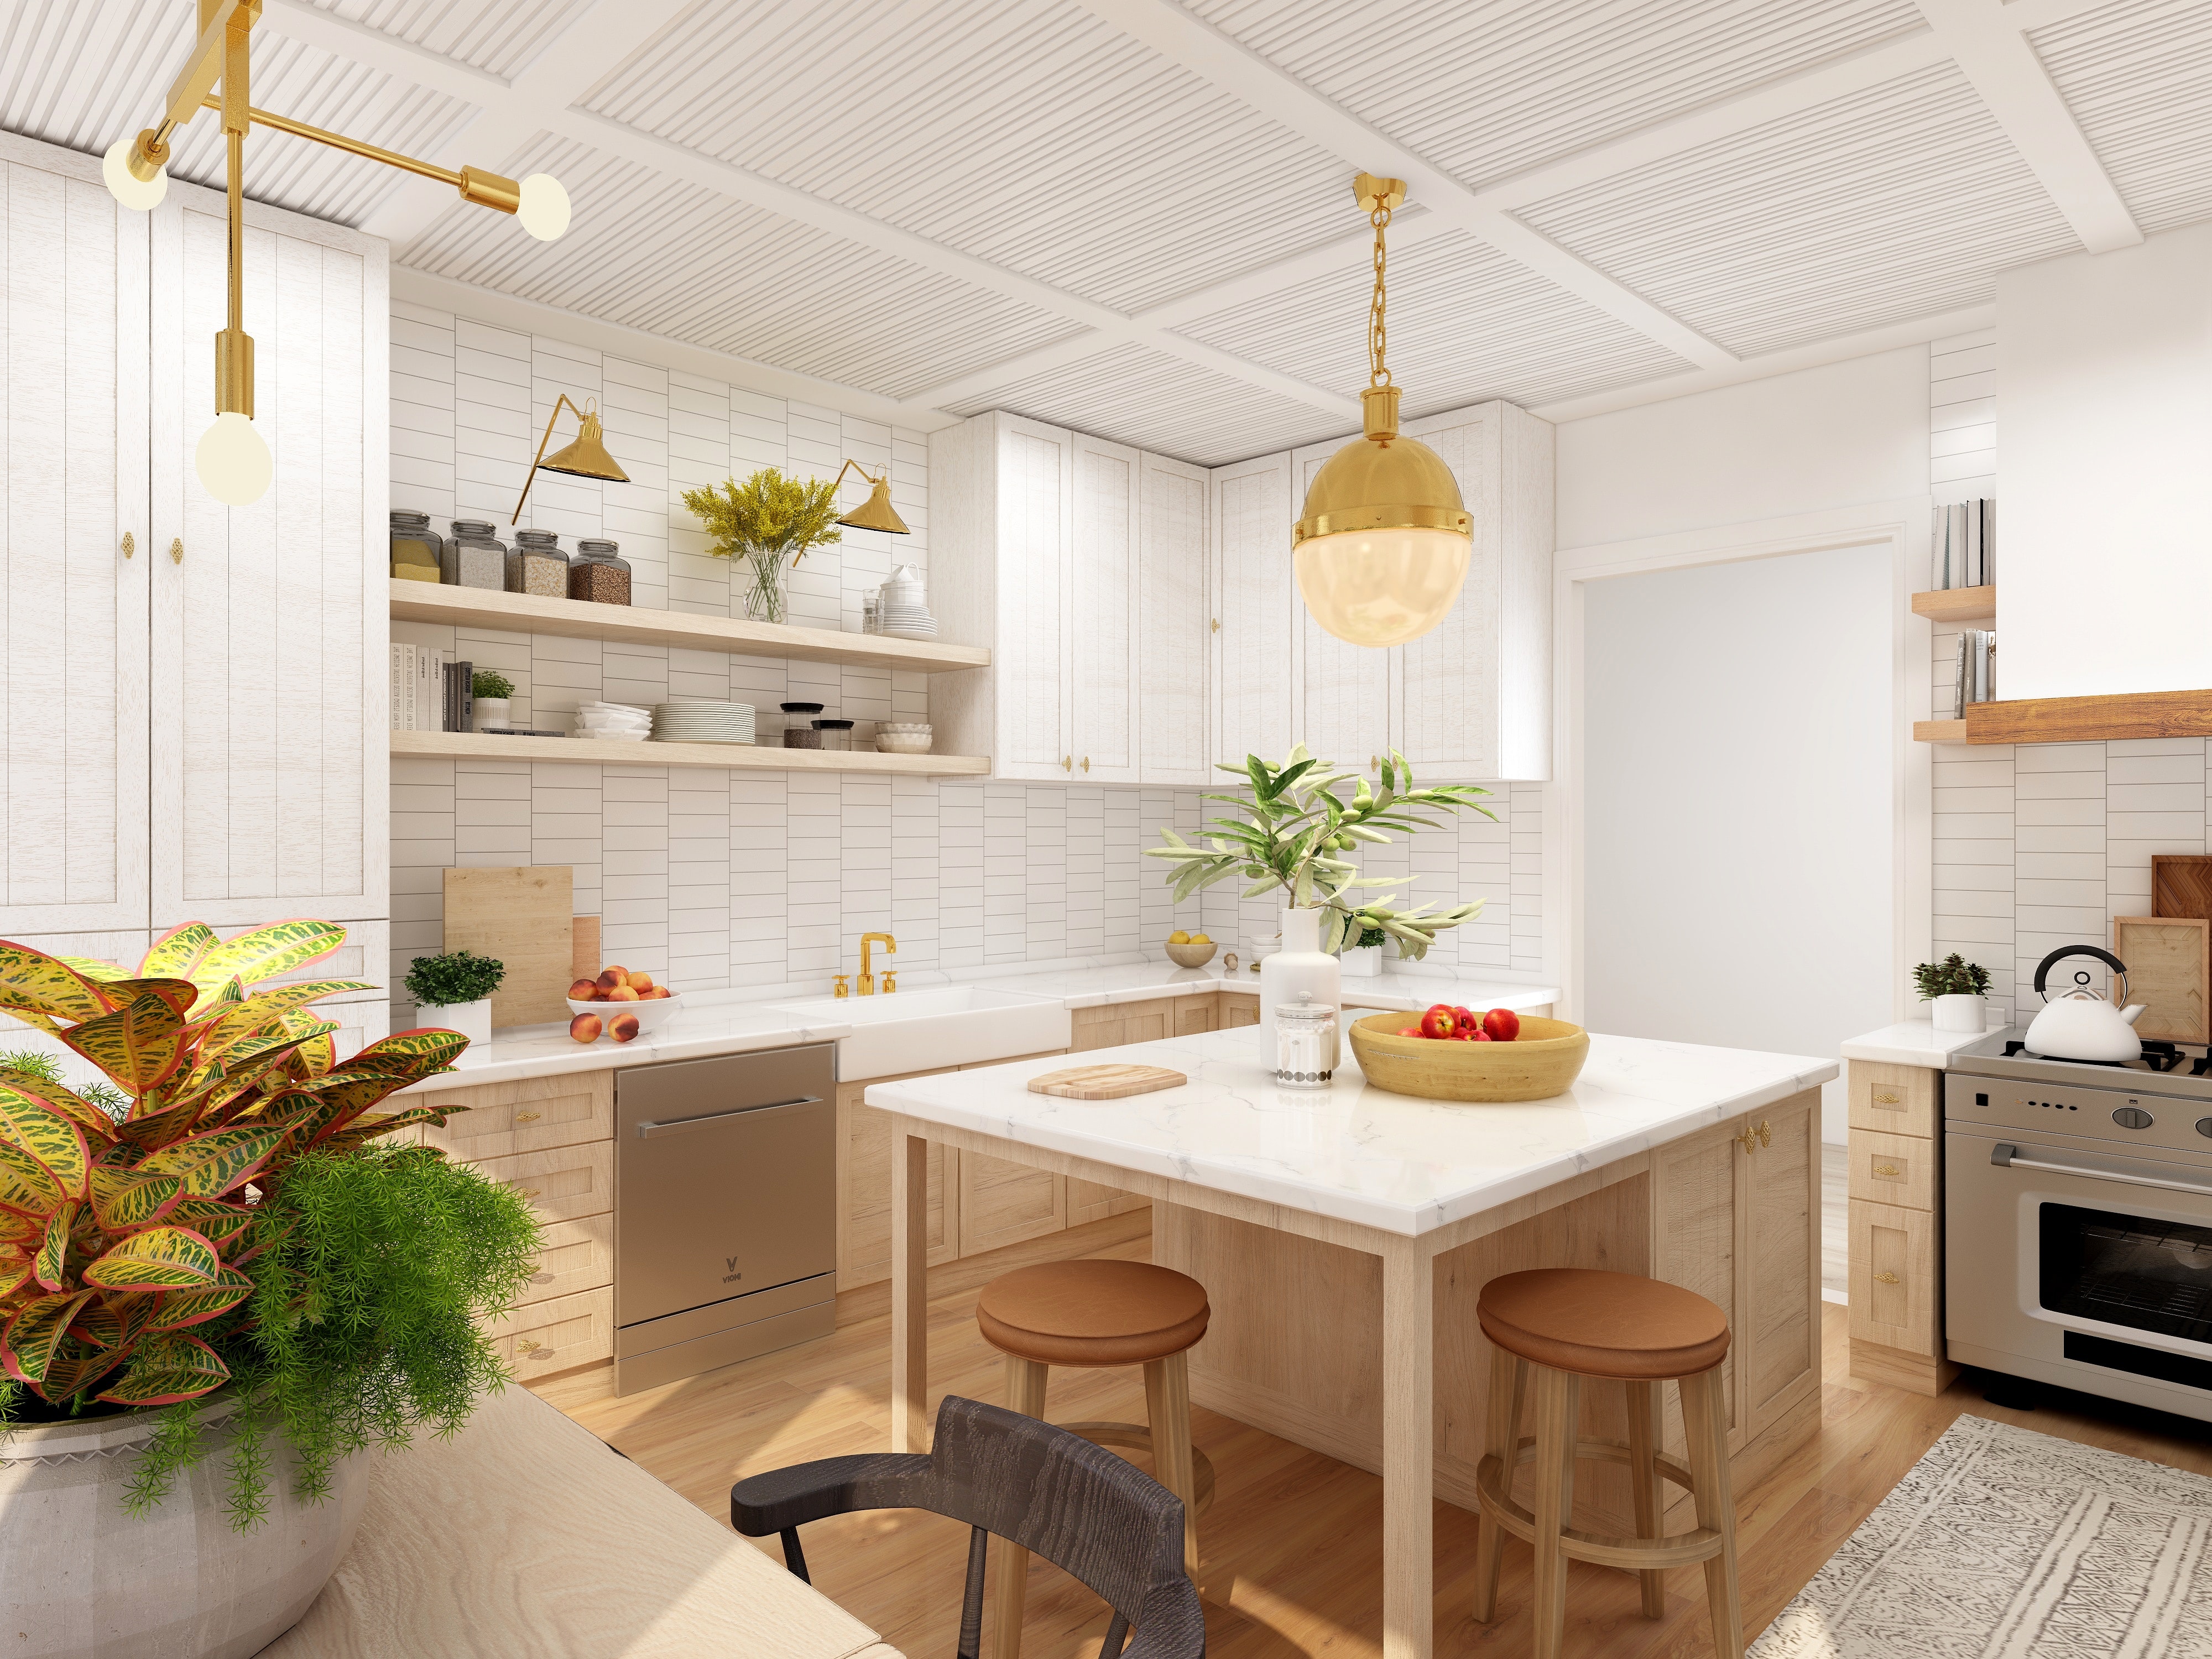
pixel 1378 374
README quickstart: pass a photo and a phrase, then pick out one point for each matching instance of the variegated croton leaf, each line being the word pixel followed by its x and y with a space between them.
pixel 141 1044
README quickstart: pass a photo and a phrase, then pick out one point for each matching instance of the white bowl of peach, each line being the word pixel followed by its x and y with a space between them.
pixel 622 1003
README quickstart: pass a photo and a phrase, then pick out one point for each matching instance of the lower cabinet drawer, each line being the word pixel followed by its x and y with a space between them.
pixel 503 1119
pixel 1892 1169
pixel 1239 1010
pixel 1896 1286
pixel 576 1255
pixel 563 1184
pixel 546 1337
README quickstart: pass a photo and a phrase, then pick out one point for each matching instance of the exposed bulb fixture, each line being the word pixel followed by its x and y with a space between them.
pixel 141 195
pixel 1381 550
pixel 543 207
pixel 232 461
pixel 877 512
pixel 585 458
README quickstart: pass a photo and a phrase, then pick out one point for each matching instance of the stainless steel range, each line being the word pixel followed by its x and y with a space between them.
pixel 2078 1227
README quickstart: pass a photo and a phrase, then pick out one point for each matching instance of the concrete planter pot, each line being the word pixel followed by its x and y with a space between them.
pixel 81 1579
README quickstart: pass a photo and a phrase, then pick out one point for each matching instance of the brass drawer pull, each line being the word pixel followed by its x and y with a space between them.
pixel 541 1279
pixel 1753 1139
pixel 1884 1168
pixel 1887 1099
pixel 527 1192
pixel 1885 1278
pixel 530 1348
pixel 528 1117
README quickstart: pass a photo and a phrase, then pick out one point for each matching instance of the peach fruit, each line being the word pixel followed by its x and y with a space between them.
pixel 585 1028
pixel 609 978
pixel 640 981
pixel 623 1027
pixel 582 990
pixel 622 994
pixel 655 993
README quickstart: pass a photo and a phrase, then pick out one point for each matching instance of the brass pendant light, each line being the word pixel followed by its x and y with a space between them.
pixel 877 512
pixel 1382 548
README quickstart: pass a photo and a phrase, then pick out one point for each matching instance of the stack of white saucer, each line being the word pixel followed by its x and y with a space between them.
pixel 613 722
pixel 702 719
pixel 902 607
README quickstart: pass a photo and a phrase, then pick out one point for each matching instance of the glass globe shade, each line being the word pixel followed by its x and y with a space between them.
pixel 232 461
pixel 545 209
pixel 1379 588
pixel 126 186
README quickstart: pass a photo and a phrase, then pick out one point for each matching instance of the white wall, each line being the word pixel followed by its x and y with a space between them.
pixel 1737 767
pixel 2105 364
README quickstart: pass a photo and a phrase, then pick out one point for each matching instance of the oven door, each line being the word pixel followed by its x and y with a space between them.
pixel 2066 1263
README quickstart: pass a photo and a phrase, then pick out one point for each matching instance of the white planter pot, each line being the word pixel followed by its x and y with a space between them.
pixel 471 1019
pixel 1361 961
pixel 1300 969
pixel 493 711
pixel 80 1579
pixel 1962 1013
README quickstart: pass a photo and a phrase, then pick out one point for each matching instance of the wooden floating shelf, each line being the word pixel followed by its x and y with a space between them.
pixel 728 756
pixel 577 619
pixel 2077 719
pixel 1957 604
pixel 1939 731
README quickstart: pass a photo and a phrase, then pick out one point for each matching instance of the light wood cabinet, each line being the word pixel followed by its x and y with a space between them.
pixel 1894 1099
pixel 1896 1226
pixel 1894 1284
pixel 1004 1203
pixel 1195 1014
pixel 541 1338
pixel 1237 1010
pixel 498 1120
pixel 560 1185
pixel 864 1192
pixel 573 1256
pixel 1109 1027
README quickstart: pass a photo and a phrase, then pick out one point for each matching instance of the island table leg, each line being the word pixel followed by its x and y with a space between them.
pixel 1408 1453
pixel 909 1292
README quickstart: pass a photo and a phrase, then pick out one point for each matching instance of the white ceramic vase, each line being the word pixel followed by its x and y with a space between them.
pixel 1962 1013
pixel 493 711
pixel 1301 969
pixel 471 1019
pixel 1361 961
pixel 84 1580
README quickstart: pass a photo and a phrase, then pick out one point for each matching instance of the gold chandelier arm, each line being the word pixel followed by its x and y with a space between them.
pixel 476 185
pixel 542 442
pixel 194 81
pixel 853 466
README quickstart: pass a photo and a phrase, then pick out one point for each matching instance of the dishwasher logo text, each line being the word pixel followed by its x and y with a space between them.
pixel 733 1276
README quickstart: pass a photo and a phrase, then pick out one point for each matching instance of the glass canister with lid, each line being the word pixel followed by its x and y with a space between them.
pixel 537 565
pixel 599 573
pixel 474 558
pixel 417 550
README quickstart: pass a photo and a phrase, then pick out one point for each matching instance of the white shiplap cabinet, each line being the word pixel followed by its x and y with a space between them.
pixel 1253 660
pixel 1081 564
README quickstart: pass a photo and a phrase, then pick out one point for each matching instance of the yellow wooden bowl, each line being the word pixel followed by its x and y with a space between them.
pixel 1191 956
pixel 1545 1061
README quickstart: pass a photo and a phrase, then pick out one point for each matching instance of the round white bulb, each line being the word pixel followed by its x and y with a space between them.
pixel 1381 588
pixel 126 186
pixel 232 461
pixel 545 209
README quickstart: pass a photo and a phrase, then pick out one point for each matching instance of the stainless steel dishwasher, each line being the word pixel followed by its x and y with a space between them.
pixel 725 1230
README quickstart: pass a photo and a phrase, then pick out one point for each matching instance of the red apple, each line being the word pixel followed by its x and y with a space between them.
pixel 1503 1024
pixel 1439 1021
pixel 1409 1031
pixel 585 1028
pixel 623 1027
pixel 1478 1034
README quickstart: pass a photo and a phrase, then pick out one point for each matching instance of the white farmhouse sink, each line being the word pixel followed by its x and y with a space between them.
pixel 929 1030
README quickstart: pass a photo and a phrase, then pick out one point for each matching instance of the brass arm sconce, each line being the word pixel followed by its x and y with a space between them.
pixel 877 512
pixel 586 458
pixel 233 460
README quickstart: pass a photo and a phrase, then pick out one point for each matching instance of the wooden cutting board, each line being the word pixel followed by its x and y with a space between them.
pixel 522 914
pixel 1105 1082
pixel 2180 884
pixel 2169 962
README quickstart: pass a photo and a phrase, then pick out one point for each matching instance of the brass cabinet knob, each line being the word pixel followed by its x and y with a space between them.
pixel 1748 1139
pixel 527 1192
pixel 1217 624
pixel 1086 763
pixel 177 550
pixel 1765 1132
pixel 1885 1278
pixel 130 545
pixel 529 1348
pixel 1888 1097
pixel 541 1277
pixel 1067 762
pixel 1884 1168
pixel 527 1117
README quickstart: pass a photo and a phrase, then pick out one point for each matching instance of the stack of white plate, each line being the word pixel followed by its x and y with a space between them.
pixel 613 722
pixel 702 719
pixel 902 607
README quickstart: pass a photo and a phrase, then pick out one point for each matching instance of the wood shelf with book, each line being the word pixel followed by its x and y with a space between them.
pixel 727 757
pixel 1958 605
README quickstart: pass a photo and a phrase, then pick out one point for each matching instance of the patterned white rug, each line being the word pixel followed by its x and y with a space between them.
pixel 2000 1543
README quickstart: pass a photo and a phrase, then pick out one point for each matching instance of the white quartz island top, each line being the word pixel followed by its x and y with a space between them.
pixel 1353 1151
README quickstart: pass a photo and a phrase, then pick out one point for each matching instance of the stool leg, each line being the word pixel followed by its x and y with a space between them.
pixel 1643 1474
pixel 1704 1422
pixel 1559 1425
pixel 1025 1381
pixel 1502 1440
pixel 1167 1408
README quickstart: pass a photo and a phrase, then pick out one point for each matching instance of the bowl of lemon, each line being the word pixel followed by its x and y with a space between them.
pixel 1189 950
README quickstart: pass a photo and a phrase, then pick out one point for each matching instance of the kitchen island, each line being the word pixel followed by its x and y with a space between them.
pixel 1343 1235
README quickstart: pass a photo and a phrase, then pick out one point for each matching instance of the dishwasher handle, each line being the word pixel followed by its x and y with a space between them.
pixel 677 1126
pixel 2007 1157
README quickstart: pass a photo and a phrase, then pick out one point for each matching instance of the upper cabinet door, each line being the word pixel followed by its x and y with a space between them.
pixel 72 606
pixel 270 775
pixel 1342 692
pixel 1175 615
pixel 1036 476
pixel 1254 665
pixel 1102 621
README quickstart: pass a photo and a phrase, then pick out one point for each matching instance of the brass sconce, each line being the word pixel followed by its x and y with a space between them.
pixel 585 458
pixel 877 512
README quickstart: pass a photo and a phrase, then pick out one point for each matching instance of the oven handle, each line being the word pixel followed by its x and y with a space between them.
pixel 681 1125
pixel 2008 1158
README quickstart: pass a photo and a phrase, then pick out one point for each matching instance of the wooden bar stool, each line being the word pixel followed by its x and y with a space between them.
pixel 1567 1324
pixel 1095 1313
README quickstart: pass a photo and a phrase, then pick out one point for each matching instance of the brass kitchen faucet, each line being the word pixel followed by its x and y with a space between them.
pixel 867 985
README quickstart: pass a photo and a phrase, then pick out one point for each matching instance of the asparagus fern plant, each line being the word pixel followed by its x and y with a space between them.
pixel 1298 823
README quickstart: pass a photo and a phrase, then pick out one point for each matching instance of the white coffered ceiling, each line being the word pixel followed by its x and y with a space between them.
pixel 1136 217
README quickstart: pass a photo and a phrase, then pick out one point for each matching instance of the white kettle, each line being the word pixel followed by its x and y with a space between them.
pixel 2080 1024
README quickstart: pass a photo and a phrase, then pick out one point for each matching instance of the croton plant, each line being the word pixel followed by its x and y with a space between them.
pixel 118 1234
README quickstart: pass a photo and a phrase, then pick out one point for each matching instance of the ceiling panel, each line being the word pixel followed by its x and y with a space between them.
pixel 2138 77
pixel 1484 89
pixel 1027 133
pixel 1135 395
pixel 498 36
pixel 655 253
pixel 1900 202
pixel 84 73
pixel 1466 324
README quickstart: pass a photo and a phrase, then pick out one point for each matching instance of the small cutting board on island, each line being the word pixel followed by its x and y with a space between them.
pixel 1105 1082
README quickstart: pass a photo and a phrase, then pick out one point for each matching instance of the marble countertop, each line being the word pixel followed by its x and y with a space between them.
pixel 1353 1151
pixel 1910 1042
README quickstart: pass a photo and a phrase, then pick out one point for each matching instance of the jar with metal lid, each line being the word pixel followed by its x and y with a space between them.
pixel 599 573
pixel 417 550
pixel 475 557
pixel 537 565
pixel 1305 1042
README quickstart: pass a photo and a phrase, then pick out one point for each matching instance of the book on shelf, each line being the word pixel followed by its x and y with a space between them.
pixel 430 692
pixel 1977 680
pixel 1963 542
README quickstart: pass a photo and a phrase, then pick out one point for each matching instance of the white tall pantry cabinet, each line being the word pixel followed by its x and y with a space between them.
pixel 193 721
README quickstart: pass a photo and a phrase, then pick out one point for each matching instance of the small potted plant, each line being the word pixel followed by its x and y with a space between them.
pixel 770 521
pixel 1364 959
pixel 454 991
pixel 1959 991
pixel 493 692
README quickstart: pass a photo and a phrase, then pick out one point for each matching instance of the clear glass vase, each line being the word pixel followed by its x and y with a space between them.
pixel 764 595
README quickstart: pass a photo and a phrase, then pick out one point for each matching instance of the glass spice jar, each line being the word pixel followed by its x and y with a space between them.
pixel 474 558
pixel 600 574
pixel 537 565
pixel 417 550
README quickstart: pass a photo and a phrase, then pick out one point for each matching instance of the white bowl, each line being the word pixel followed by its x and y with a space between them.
pixel 903 742
pixel 651 1016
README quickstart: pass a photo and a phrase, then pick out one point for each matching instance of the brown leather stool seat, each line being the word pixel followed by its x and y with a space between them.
pixel 1092 1312
pixel 1603 1324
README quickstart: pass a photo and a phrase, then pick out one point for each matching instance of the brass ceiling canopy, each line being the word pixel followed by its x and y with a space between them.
pixel 585 458
pixel 1382 549
pixel 877 512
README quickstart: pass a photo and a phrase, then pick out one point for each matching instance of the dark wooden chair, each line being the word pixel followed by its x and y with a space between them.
pixel 1095 1516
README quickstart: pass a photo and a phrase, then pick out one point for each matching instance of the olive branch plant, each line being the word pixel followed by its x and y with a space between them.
pixel 1300 823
